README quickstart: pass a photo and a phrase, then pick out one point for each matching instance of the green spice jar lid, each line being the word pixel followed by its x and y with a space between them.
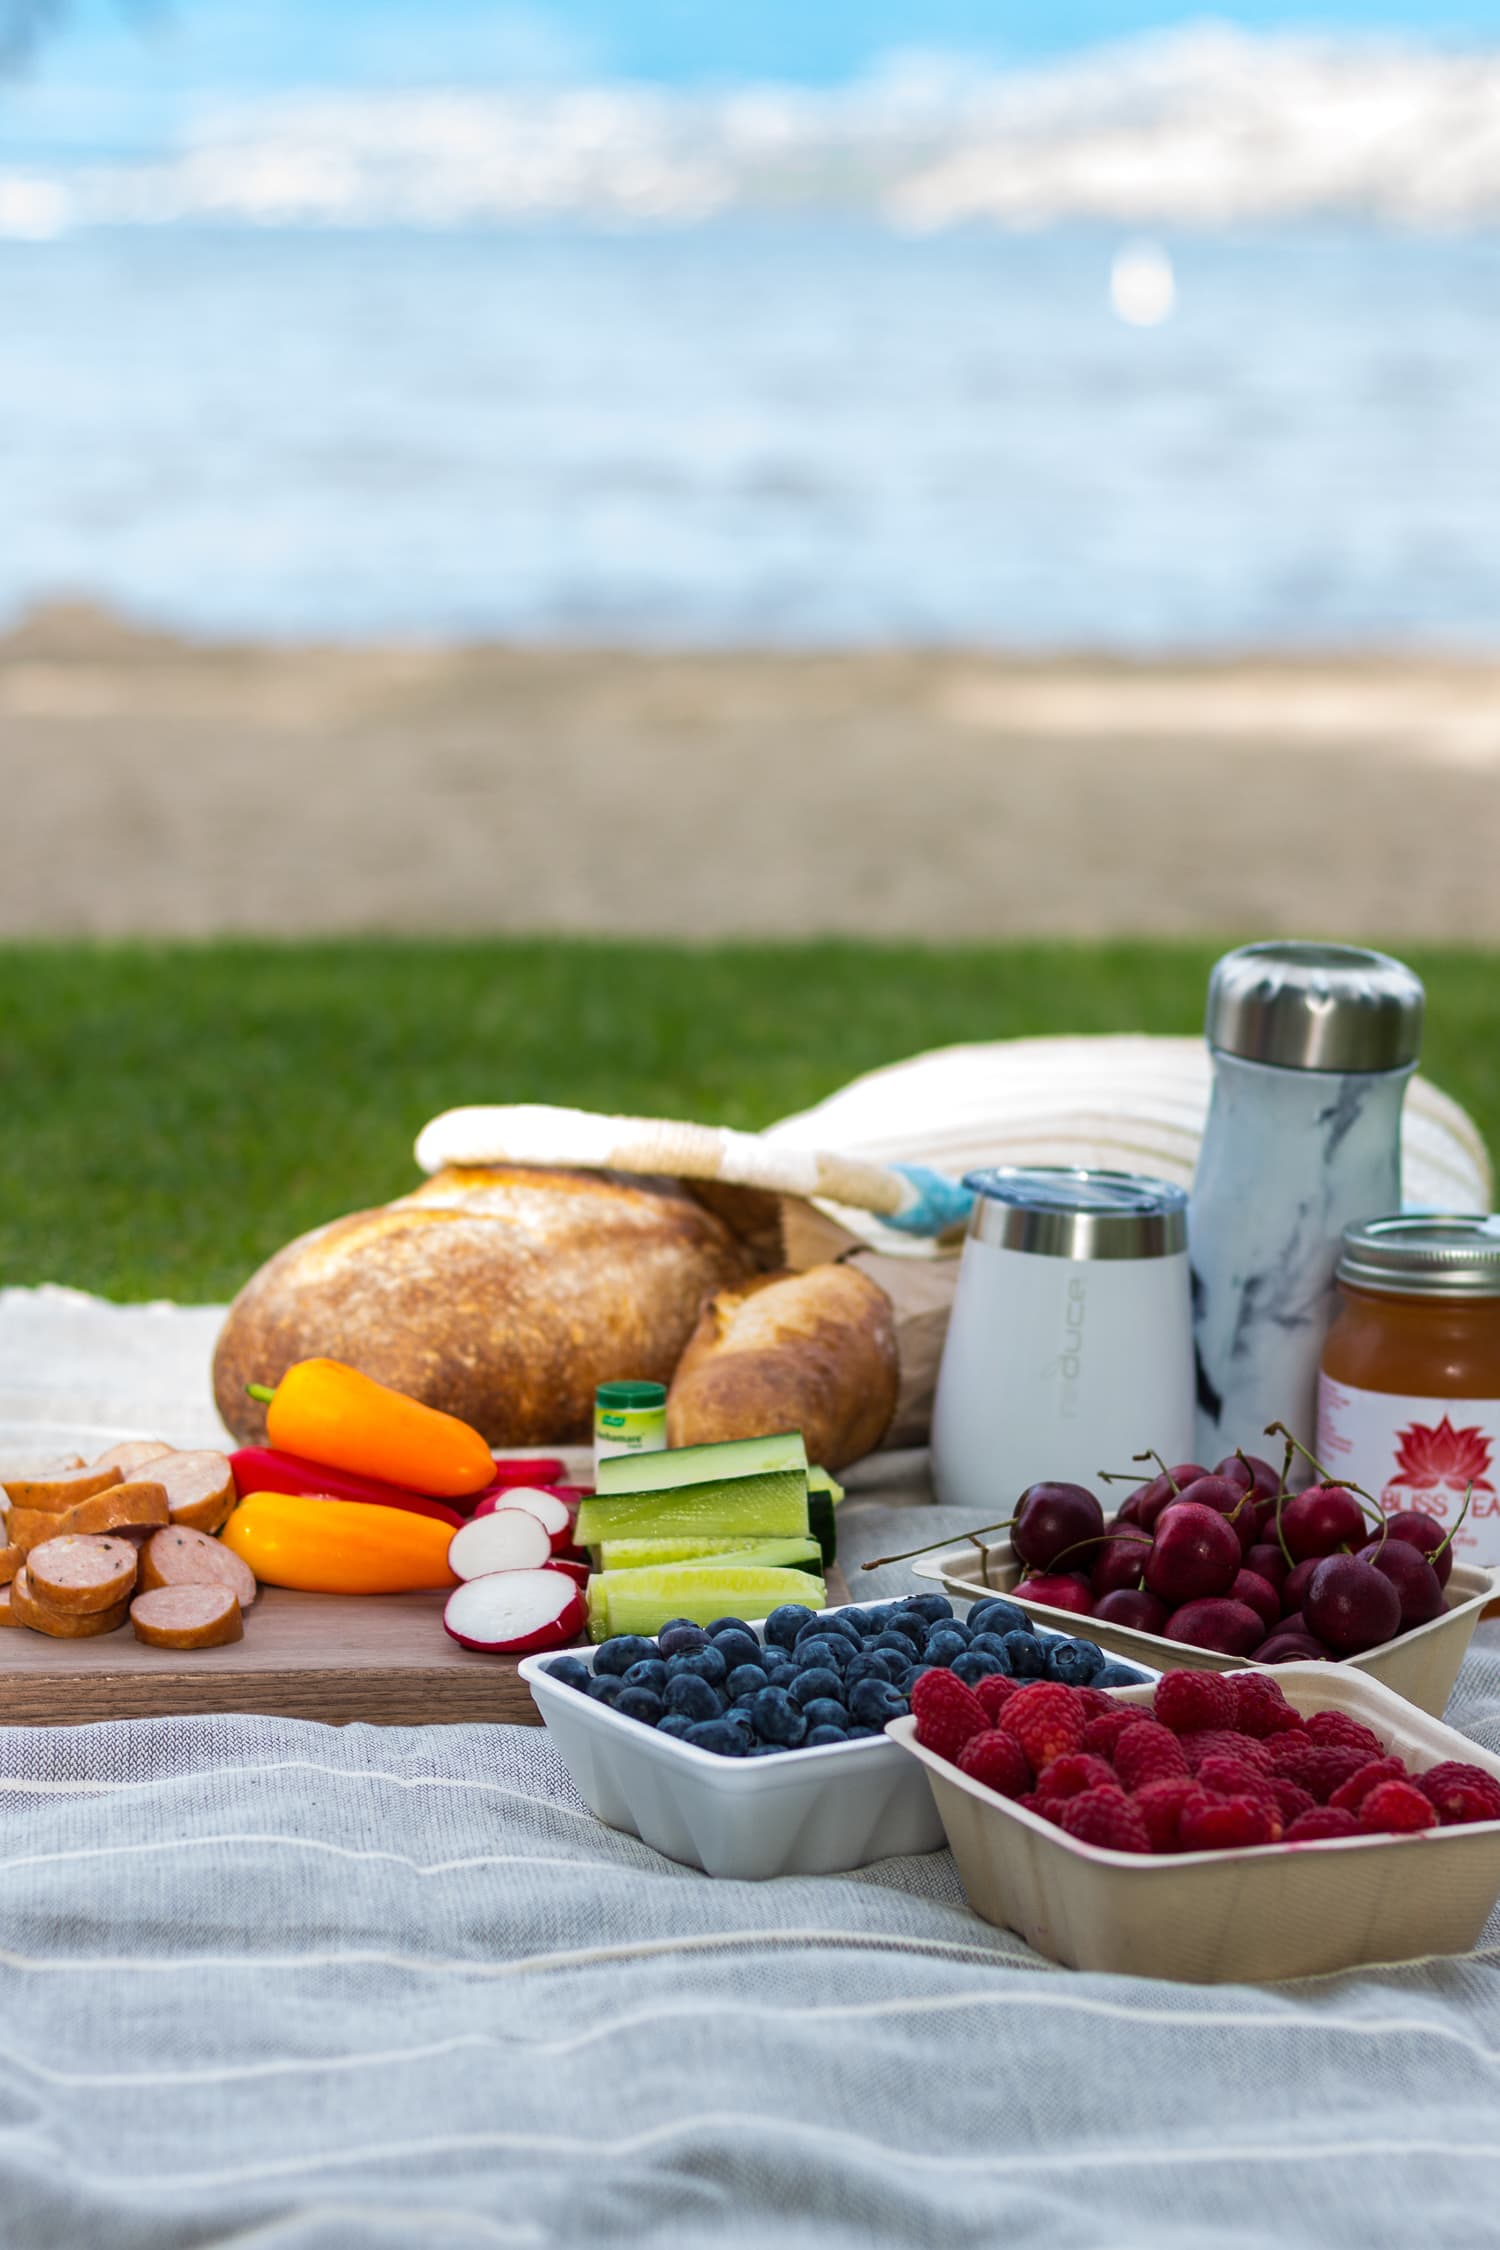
pixel 622 1397
pixel 1424 1254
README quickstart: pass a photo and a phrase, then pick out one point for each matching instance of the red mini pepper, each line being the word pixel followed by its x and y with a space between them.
pixel 258 1469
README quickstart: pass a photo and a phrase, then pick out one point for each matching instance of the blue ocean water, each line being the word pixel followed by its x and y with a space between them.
pixel 803 430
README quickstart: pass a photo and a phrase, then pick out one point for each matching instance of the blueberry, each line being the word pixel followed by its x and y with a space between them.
pixel 677 1724
pixel 825 1711
pixel 570 1671
pixel 737 1648
pixel 721 1735
pixel 943 1647
pixel 998 1617
pixel 859 1619
pixel 899 1644
pixel 619 1654
pixel 1075 1663
pixel 706 1663
pixel 764 1750
pixel 818 1737
pixel 870 1664
pixel 839 1621
pixel 728 1625
pixel 745 1680
pixel 823 1649
pixel 911 1626
pixel 930 1606
pixel 1028 1655
pixel 693 1697
pixel 864 1734
pixel 1118 1675
pixel 639 1703
pixel 875 1701
pixel 990 1644
pixel 680 1639
pixel 649 1673
pixel 970 1667
pixel 818 1680
pixel 777 1719
pixel 605 1686
pixel 784 1624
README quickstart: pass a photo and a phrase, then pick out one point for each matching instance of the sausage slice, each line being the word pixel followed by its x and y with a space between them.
pixel 62 1624
pixel 187 1617
pixel 28 1527
pixel 11 1559
pixel 133 1454
pixel 82 1575
pixel 180 1557
pixel 139 1504
pixel 53 1490
pixel 199 1488
pixel 7 1608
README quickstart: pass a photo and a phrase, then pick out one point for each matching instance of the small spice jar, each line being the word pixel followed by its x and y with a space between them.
pixel 1409 1387
pixel 629 1418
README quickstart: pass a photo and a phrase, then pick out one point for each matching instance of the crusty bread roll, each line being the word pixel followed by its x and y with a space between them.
pixel 813 1351
pixel 503 1296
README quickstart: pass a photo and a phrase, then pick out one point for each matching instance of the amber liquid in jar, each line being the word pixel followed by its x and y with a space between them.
pixel 1409 1407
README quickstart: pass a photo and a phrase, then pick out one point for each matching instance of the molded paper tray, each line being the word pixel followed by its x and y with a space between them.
pixel 1295 1910
pixel 803 1812
pixel 1421 1665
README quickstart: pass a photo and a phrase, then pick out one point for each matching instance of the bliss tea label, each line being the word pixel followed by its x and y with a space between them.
pixel 1418 1453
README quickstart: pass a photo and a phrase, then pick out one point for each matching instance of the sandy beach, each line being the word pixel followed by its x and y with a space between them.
pixel 155 786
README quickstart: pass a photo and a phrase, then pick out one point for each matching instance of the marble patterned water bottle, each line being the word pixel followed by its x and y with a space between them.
pixel 1312 1049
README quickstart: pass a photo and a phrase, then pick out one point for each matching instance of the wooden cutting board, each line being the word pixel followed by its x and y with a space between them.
pixel 380 1658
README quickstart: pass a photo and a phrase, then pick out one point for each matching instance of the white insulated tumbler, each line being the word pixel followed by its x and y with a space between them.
pixel 1070 1346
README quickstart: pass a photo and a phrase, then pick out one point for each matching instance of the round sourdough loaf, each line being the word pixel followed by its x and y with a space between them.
pixel 503 1296
pixel 813 1351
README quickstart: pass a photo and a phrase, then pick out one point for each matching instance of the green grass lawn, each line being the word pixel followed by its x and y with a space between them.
pixel 169 1115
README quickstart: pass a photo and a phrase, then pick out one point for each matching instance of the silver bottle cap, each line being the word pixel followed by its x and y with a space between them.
pixel 1063 1211
pixel 1424 1254
pixel 1315 1007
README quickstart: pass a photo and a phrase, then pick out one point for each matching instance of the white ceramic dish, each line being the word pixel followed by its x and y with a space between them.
pixel 1421 1665
pixel 803 1812
pixel 1240 1916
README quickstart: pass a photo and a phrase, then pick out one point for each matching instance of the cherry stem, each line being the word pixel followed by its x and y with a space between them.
pixel 1149 1455
pixel 1372 1506
pixel 1117 1476
pixel 933 1544
pixel 1458 1519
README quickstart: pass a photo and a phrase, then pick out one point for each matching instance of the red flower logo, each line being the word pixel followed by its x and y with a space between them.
pixel 1426 1458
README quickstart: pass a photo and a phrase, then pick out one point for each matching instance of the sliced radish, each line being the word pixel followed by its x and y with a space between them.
pixel 510 1539
pixel 554 1515
pixel 544 1469
pixel 512 1612
pixel 578 1568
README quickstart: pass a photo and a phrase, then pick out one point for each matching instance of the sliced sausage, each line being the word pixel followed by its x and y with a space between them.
pixel 187 1617
pixel 11 1559
pixel 133 1454
pixel 82 1575
pixel 139 1504
pixel 62 1624
pixel 56 1489
pixel 7 1608
pixel 199 1487
pixel 28 1527
pixel 180 1557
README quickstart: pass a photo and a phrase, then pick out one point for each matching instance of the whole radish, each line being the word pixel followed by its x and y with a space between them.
pixel 1194 1554
pixel 1230 1628
pixel 1061 1591
pixel 1350 1605
pixel 1134 1607
pixel 1320 1519
pixel 1050 1518
pixel 1416 1582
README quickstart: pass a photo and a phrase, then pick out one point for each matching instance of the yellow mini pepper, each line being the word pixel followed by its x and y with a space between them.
pixel 325 1411
pixel 339 1546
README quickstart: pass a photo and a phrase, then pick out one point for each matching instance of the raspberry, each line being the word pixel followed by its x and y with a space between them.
pixel 1291 1801
pixel 1046 1719
pixel 1105 1817
pixel 1148 1751
pixel 993 1690
pixel 1160 1805
pixel 947 1713
pixel 1096 1701
pixel 1226 1777
pixel 1351 1794
pixel 1101 1734
pixel 1317 1767
pixel 1397 1806
pixel 998 1761
pixel 1460 1793
pixel 1223 1742
pixel 1185 1701
pixel 1075 1771
pixel 1224 1824
pixel 1260 1708
pixel 1318 1825
pixel 1034 1802
pixel 1339 1730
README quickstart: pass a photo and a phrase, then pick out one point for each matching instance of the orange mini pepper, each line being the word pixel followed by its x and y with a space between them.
pixel 328 1412
pixel 339 1546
